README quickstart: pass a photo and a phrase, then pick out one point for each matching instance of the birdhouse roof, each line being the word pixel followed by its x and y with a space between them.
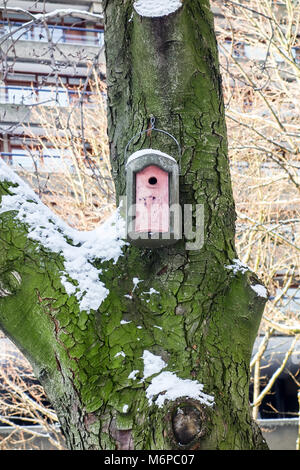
pixel 143 152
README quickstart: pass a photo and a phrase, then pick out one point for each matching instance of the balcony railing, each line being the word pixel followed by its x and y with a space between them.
pixel 241 50
pixel 33 160
pixel 58 34
pixel 49 96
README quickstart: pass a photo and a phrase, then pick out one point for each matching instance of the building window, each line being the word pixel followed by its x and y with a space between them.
pixel 38 89
pixel 59 34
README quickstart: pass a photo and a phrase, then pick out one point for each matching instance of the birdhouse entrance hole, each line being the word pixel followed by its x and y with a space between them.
pixel 152 180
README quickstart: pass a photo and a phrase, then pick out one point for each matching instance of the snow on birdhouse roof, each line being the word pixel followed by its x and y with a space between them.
pixel 143 152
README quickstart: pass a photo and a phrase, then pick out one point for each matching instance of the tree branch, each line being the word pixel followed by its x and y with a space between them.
pixel 44 17
pixel 78 249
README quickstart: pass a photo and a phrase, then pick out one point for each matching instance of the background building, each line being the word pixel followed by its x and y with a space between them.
pixel 43 64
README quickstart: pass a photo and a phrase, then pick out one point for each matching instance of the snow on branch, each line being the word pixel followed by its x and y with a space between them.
pixel 237 266
pixel 36 18
pixel 59 13
pixel 260 290
pixel 80 276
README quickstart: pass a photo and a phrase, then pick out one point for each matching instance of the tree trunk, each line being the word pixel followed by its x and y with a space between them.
pixel 193 314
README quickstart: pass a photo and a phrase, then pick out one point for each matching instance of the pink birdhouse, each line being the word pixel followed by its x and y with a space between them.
pixel 152 200
pixel 152 193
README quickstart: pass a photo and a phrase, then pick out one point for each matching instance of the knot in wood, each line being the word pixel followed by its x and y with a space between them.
pixel 188 424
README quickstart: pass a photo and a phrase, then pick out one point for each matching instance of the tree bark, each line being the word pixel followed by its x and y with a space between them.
pixel 188 307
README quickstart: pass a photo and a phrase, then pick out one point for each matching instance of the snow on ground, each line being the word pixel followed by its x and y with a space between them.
pixel 155 8
pixel 104 243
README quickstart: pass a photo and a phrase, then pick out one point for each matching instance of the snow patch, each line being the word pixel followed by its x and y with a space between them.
pixel 140 153
pixel 237 266
pixel 133 374
pixel 104 243
pixel 260 290
pixel 155 8
pixel 125 408
pixel 136 281
pixel 124 322
pixel 69 287
pixel 167 386
pixel 121 353
pixel 151 291
pixel 152 364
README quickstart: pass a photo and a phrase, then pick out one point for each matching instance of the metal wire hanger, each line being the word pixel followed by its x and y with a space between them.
pixel 153 128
